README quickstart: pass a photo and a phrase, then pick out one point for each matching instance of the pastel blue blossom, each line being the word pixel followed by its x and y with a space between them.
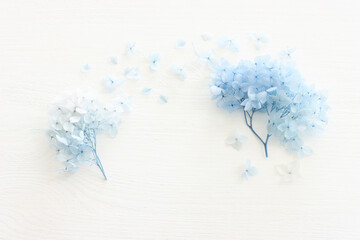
pixel 179 71
pixel 86 68
pixel 229 43
pixel 259 40
pixel 276 89
pixel 207 57
pixel 111 83
pixel 114 59
pixel 132 73
pixel 287 53
pixel 163 98
pixel 236 140
pixel 180 43
pixel 288 171
pixel 130 48
pixel 75 121
pixel 249 171
pixel 206 36
pixel 216 91
pixel 154 59
pixel 146 91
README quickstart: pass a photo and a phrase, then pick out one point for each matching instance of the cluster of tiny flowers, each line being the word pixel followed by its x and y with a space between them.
pixel 76 119
pixel 277 89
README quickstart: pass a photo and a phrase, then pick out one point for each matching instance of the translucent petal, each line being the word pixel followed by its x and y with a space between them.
pixel 206 36
pixel 130 48
pixel 180 43
pixel 62 140
pixel 230 140
pixel 153 67
pixel 61 157
pixel 132 73
pixel 114 59
pixel 146 91
pixel 245 176
pixel 86 68
pixel 75 119
pixel 252 171
pixel 215 90
pixel 163 98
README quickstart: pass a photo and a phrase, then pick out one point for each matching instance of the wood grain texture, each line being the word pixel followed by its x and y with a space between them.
pixel 170 174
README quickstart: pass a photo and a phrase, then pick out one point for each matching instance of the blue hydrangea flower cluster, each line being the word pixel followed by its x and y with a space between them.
pixel 276 89
pixel 76 119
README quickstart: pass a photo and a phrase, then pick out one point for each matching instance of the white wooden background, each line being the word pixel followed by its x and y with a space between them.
pixel 170 174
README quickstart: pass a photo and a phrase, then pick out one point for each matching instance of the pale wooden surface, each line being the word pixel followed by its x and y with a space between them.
pixel 170 174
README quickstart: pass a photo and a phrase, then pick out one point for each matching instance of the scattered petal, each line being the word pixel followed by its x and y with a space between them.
pixel 146 91
pixel 179 71
pixel 154 59
pixel 130 48
pixel 86 68
pixel 114 59
pixel 259 40
pixel 206 36
pixel 287 53
pixel 111 83
pixel 180 43
pixel 249 171
pixel 163 98
pixel 236 140
pixel 132 73
pixel 228 43
pixel 288 171
pixel 207 57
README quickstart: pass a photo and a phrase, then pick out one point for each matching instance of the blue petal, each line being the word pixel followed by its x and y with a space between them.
pixel 146 91
pixel 114 59
pixel 180 43
pixel 163 98
pixel 86 68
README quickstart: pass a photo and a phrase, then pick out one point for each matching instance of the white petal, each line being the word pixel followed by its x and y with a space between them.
pixel 75 119
pixel 61 157
pixel 62 140
pixel 230 140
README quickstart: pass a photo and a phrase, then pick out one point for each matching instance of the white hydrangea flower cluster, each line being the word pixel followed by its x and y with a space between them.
pixel 76 119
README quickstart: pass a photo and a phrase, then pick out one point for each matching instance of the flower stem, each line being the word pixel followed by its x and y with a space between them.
pixel 98 163
pixel 250 125
pixel 93 146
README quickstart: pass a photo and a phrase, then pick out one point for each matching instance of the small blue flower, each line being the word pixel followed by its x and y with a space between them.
pixel 236 140
pixel 130 48
pixel 111 83
pixel 207 57
pixel 132 73
pixel 288 171
pixel 180 43
pixel 228 43
pixel 287 53
pixel 249 171
pixel 146 91
pixel 289 128
pixel 154 59
pixel 86 68
pixel 255 99
pixel 163 98
pixel 179 71
pixel 216 91
pixel 259 39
